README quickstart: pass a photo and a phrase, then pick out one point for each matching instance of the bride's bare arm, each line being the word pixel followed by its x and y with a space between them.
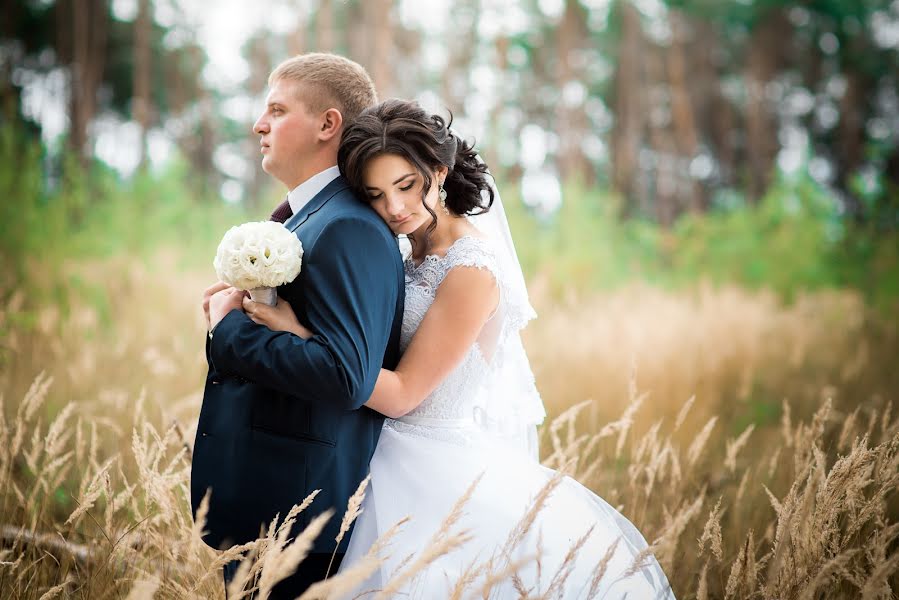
pixel 464 302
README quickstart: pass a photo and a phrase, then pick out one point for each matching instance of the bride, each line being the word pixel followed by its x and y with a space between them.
pixel 462 407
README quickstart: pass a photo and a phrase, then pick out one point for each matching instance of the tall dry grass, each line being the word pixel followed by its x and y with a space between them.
pixel 755 445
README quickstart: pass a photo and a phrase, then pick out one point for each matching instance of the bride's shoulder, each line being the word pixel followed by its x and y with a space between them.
pixel 473 250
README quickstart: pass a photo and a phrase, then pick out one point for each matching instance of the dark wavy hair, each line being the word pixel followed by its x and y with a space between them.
pixel 404 128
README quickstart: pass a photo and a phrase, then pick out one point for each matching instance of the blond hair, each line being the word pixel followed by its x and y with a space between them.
pixel 331 81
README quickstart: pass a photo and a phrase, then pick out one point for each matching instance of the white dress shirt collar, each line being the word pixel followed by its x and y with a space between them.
pixel 299 196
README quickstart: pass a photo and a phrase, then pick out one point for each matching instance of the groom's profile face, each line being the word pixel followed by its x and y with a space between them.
pixel 288 132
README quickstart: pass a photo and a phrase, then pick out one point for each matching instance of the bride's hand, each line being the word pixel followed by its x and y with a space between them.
pixel 277 318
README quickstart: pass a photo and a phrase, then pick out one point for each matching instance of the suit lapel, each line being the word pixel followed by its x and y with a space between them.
pixel 336 185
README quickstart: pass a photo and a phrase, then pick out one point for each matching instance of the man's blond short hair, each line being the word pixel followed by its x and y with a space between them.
pixel 330 81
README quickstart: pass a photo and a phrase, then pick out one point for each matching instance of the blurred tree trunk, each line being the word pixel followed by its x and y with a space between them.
pixel 630 108
pixel 176 81
pixel 192 102
pixel 682 112
pixel 491 154
pixel 713 111
pixel 325 26
pixel 9 93
pixel 665 199
pixel 81 43
pixel 141 101
pixel 811 64
pixel 296 41
pixel 357 31
pixel 463 42
pixel 202 144
pixel 371 40
pixel 406 53
pixel 260 67
pixel 888 207
pixel 852 122
pixel 571 119
pixel 261 64
pixel 850 145
pixel 379 59
pixel 770 36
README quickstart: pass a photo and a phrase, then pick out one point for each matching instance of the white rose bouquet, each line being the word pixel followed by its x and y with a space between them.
pixel 259 256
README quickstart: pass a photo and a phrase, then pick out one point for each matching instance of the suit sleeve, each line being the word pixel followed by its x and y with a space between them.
pixel 352 293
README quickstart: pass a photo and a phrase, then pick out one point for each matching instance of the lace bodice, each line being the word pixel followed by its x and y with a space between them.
pixel 454 397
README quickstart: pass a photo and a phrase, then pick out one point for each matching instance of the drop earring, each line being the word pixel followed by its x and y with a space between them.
pixel 442 194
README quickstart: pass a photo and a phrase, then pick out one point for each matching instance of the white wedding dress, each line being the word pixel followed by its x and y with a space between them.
pixel 427 460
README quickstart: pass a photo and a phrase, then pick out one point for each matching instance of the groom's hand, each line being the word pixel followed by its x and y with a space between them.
pixel 207 295
pixel 223 302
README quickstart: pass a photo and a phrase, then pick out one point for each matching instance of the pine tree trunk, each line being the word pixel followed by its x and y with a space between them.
pixel 682 113
pixel 667 174
pixel 296 41
pixel 9 94
pixel 851 138
pixel 462 46
pixel 357 32
pixel 260 66
pixel 382 44
pixel 141 99
pixel 325 26
pixel 714 112
pixel 82 28
pixel 630 108
pixel 765 55
pixel 571 120
pixel 491 151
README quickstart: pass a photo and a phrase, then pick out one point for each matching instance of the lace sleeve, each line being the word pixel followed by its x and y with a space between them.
pixel 509 404
pixel 479 252
pixel 472 252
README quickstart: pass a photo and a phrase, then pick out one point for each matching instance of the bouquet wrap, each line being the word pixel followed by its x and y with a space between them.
pixel 264 295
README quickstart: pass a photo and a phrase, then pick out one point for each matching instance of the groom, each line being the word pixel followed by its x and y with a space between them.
pixel 283 416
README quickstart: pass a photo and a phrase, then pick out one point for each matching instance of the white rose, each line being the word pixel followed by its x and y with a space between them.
pixel 258 254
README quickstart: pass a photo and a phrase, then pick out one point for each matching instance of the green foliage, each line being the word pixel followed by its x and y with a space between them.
pixel 793 240
pixel 49 219
pixel 583 244
pixel 23 198
pixel 784 242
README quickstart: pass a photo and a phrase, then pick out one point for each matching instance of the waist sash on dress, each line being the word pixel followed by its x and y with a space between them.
pixel 437 422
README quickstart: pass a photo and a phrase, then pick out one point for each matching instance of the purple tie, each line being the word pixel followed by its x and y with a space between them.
pixel 282 212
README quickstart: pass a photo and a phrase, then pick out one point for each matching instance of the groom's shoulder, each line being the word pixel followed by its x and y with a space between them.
pixel 347 222
pixel 346 208
pixel 347 204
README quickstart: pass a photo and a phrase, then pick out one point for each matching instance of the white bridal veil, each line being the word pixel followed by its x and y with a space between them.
pixel 509 406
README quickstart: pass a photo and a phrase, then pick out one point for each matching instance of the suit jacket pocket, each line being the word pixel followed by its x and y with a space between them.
pixel 296 436
pixel 288 417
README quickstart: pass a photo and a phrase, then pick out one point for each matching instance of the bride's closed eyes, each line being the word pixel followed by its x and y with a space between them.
pixel 375 193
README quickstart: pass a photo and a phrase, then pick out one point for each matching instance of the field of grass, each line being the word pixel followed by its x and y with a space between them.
pixel 754 443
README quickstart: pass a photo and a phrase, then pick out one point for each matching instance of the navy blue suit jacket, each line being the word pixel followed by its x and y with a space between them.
pixel 283 416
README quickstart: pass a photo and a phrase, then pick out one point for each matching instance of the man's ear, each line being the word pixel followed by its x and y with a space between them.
pixel 330 124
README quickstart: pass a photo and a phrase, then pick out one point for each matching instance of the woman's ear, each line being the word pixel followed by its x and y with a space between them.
pixel 441 173
pixel 331 122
